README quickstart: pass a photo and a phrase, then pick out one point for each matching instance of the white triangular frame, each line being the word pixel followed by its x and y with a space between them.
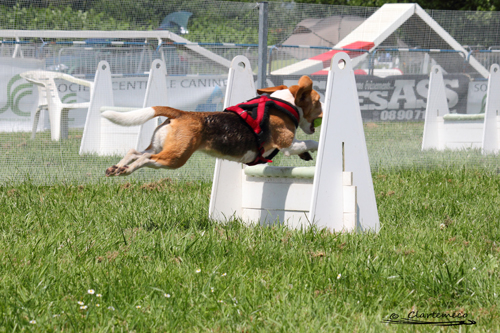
pixel 443 130
pixel 342 145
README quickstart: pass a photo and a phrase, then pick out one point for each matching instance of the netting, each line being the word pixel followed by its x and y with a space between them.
pixel 197 40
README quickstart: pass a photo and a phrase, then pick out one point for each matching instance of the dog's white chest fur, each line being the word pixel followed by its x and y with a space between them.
pixel 285 95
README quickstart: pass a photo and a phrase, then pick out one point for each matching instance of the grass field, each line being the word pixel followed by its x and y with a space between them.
pixel 82 253
pixel 145 257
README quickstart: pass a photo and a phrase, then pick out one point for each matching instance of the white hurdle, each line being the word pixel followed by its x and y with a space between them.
pixel 325 195
pixel 102 137
pixel 443 130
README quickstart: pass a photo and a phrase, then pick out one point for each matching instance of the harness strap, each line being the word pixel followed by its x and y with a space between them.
pixel 262 103
pixel 260 159
pixel 255 120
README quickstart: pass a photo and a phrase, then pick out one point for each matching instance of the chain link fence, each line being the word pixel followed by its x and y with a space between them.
pixel 392 79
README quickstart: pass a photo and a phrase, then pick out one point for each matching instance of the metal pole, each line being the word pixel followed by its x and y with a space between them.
pixel 262 62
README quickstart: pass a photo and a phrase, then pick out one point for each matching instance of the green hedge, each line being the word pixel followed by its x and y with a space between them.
pixel 55 18
pixel 207 28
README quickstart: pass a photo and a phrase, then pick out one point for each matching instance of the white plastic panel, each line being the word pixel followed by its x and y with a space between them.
pixel 437 107
pixel 225 200
pixel 342 143
pixel 462 134
pixel 277 193
pixel 101 95
pixel 156 95
pixel 491 135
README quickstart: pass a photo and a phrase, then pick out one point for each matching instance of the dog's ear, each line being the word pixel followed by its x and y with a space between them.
pixel 303 90
pixel 270 90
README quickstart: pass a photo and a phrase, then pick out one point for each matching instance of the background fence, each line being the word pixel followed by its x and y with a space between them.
pixel 392 79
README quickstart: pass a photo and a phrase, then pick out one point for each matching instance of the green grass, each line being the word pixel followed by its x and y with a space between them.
pixel 67 229
pixel 133 243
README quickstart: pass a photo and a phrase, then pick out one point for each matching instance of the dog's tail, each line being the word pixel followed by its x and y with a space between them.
pixel 140 116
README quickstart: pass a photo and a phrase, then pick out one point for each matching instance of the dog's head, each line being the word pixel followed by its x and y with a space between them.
pixel 304 97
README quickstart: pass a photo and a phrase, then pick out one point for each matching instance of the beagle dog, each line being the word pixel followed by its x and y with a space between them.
pixel 242 135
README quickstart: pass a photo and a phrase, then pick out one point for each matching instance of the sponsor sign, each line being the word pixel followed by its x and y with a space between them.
pixel 189 93
pixel 395 98
pixel 476 99
pixel 19 99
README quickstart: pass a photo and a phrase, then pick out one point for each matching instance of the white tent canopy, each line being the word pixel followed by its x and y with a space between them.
pixel 326 31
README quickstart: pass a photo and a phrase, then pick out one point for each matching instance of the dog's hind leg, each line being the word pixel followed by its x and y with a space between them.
pixel 170 148
pixel 156 143
pixel 131 156
pixel 151 161
pixel 144 160
pixel 171 157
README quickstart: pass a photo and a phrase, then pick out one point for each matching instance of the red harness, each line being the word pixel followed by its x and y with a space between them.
pixel 255 113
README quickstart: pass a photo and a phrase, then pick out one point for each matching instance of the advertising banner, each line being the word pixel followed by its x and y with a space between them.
pixel 189 93
pixel 395 98
pixel 476 99
pixel 17 97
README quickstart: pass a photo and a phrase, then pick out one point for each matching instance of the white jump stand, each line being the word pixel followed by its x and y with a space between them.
pixel 443 130
pixel 102 137
pixel 491 131
pixel 324 195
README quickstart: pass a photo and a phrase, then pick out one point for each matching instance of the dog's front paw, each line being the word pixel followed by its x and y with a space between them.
pixel 306 156
pixel 313 145
pixel 111 170
pixel 121 171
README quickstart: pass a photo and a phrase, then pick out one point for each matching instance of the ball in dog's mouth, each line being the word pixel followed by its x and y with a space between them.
pixel 316 123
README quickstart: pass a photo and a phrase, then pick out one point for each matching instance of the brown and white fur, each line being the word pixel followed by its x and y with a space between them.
pixel 219 134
